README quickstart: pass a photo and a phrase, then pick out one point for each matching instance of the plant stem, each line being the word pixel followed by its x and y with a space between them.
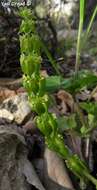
pixel 87 33
pixel 91 178
pixel 90 23
pixel 78 49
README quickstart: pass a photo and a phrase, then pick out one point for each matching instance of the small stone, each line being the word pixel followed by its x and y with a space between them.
pixel 19 107
pixel 6 93
pixel 29 126
pixel 6 115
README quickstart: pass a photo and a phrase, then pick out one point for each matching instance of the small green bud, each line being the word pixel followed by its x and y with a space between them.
pixel 27 26
pixel 27 64
pixel 39 104
pixel 25 13
pixel 30 63
pixel 30 84
pixel 29 43
pixel 42 124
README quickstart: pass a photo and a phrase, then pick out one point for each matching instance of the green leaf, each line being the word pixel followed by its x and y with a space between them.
pixel 92 124
pixel 83 130
pixel 87 33
pixel 90 119
pixel 85 79
pixel 53 83
pixel 89 107
pixel 80 30
pixel 67 122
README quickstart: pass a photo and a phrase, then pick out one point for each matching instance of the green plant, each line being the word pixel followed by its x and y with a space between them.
pixel 82 38
pixel 39 88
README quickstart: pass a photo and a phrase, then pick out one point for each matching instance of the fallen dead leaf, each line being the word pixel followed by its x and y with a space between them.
pixel 84 95
pixel 44 73
pixel 20 90
pixel 10 83
pixel 56 171
pixel 66 102
pixel 6 93
pixel 94 94
pixel 30 174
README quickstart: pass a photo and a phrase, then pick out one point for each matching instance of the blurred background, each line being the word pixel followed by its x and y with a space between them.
pixel 57 26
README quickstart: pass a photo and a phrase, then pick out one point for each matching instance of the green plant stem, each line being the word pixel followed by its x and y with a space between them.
pixel 78 49
pixel 87 33
pixel 91 178
pixel 82 41
pixel 78 53
pixel 40 100
pixel 90 25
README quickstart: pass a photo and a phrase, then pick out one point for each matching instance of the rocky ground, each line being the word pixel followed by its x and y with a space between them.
pixel 25 161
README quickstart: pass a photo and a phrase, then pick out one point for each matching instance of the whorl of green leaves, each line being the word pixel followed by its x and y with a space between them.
pixel 39 99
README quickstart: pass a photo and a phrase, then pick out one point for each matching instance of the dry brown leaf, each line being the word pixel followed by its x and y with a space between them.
pixel 31 175
pixel 20 90
pixel 44 73
pixel 94 94
pixel 84 95
pixel 30 126
pixel 56 171
pixel 10 83
pixel 66 102
pixel 6 93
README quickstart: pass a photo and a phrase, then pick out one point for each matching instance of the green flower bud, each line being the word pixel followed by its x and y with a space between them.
pixel 26 13
pixel 29 43
pixel 39 104
pixel 27 64
pixel 42 124
pixel 27 26
pixel 30 63
pixel 30 84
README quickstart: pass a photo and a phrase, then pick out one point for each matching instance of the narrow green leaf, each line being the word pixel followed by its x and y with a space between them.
pixel 78 49
pixel 85 79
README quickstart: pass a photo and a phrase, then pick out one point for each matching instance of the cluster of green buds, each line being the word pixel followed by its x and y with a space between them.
pixel 39 99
